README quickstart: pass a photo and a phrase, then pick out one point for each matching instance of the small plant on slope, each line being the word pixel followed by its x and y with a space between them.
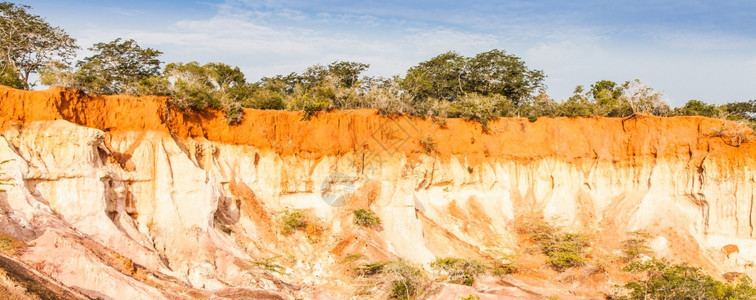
pixel 396 279
pixel 458 270
pixel 292 221
pixel 366 218
pixel 635 246
pixel 563 250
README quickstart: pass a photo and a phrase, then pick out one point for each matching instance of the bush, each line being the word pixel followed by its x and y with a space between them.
pixel 11 246
pixel 635 246
pixel 481 109
pixel 458 270
pixel 563 250
pixel 506 265
pixel 233 112
pixel 310 105
pixel 398 279
pixel 663 280
pixel 428 144
pixel 697 108
pixel 366 218
pixel 292 221
pixel 269 265
pixel 265 99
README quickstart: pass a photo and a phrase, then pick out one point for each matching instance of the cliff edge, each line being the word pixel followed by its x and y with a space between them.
pixel 155 202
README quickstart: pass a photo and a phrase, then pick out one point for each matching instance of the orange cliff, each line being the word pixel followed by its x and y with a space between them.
pixel 340 132
pixel 191 199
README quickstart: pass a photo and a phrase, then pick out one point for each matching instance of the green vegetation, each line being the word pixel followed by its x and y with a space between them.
pixel 479 88
pixel 365 218
pixel 268 265
pixel 563 250
pixel 292 221
pixel 663 280
pixel 11 246
pixel 428 144
pixel 458 270
pixel 635 246
pixel 504 265
pixel 2 183
pixel 397 279
pixel 28 43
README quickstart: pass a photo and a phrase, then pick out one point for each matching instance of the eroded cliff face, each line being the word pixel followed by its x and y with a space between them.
pixel 123 197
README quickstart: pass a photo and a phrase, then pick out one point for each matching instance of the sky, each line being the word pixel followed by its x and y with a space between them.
pixel 686 49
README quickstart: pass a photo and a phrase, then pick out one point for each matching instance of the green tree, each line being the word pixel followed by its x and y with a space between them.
pixel 579 105
pixel 214 85
pixel 740 110
pixel 607 97
pixel 450 75
pixel 666 281
pixel 9 77
pixel 697 108
pixel 28 42
pixel 497 73
pixel 117 67
pixel 347 73
pixel 441 77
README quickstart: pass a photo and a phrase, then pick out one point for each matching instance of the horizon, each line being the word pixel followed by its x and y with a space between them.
pixel 684 50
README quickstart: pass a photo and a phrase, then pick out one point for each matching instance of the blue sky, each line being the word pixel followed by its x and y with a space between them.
pixel 686 49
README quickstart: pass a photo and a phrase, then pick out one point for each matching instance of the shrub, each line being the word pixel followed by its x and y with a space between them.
pixel 265 99
pixel 11 246
pixel 563 250
pixel 428 144
pixel 233 112
pixel 398 279
pixel 458 270
pixel 506 265
pixel 635 246
pixel 481 109
pixel 697 108
pixel 366 218
pixel 663 280
pixel 310 105
pixel 2 183
pixel 291 221
pixel 268 265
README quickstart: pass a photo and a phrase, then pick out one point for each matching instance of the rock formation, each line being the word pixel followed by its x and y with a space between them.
pixel 123 197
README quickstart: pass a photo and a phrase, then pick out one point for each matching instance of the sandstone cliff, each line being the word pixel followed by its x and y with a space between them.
pixel 123 197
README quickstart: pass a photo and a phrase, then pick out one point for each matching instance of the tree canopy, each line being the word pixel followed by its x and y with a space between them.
pixel 117 67
pixel 451 75
pixel 27 43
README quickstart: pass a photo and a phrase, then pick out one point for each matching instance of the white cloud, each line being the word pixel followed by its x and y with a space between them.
pixel 703 40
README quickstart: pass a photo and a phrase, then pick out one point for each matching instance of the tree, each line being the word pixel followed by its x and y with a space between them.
pixel 209 85
pixel 607 97
pixel 441 77
pixel 28 42
pixel 450 75
pixel 117 67
pixel 643 99
pixel 663 280
pixel 347 73
pixel 496 72
pixel 9 77
pixel 697 108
